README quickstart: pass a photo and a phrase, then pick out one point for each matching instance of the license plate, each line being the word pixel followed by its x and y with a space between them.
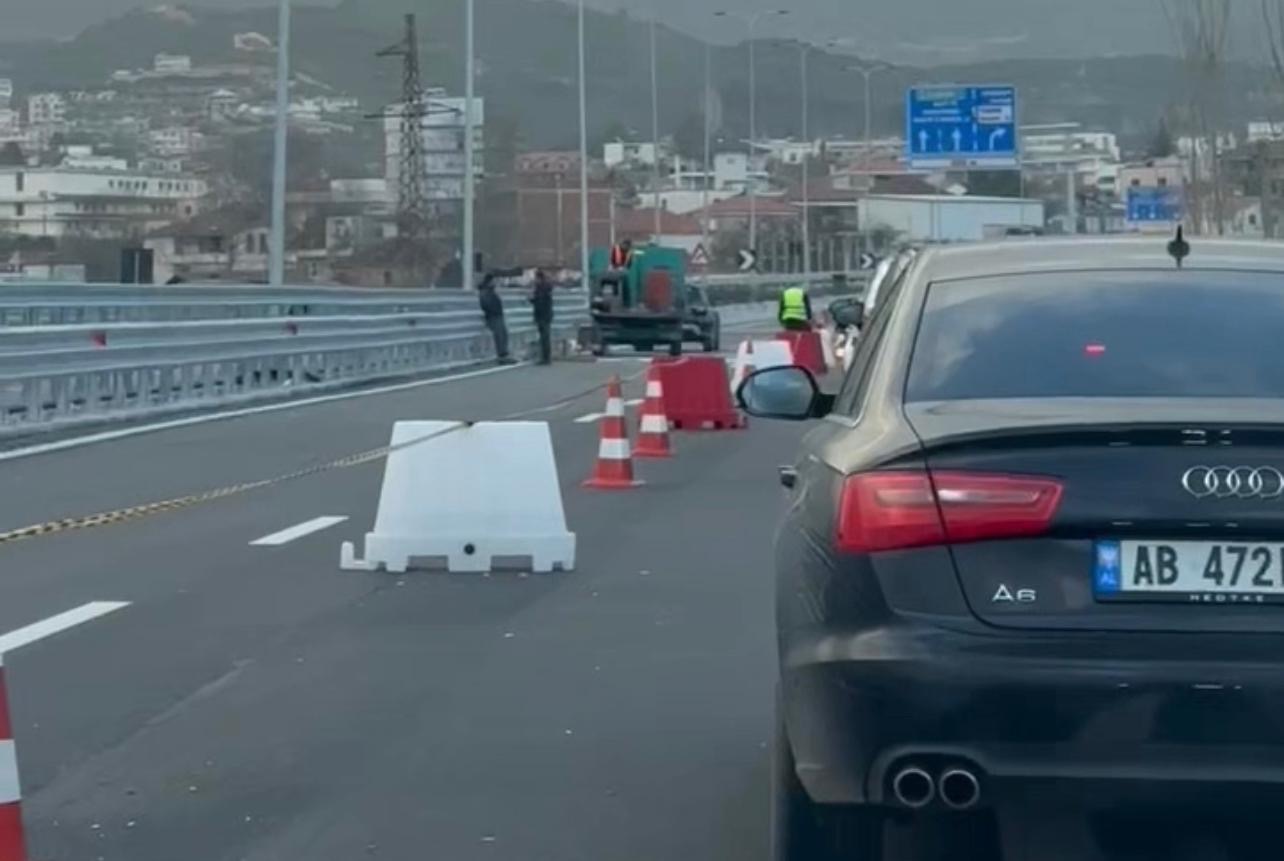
pixel 1195 572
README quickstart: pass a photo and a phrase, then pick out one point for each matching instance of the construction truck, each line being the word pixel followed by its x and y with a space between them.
pixel 642 305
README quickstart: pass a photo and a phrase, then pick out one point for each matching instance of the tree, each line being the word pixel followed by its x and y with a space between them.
pixel 1162 144
pixel 1200 29
pixel 994 183
pixel 614 131
pixel 12 156
pixel 688 140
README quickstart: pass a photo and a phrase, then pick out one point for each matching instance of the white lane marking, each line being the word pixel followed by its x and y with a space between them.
pixel 635 402
pixel 109 436
pixel 588 419
pixel 57 624
pixel 285 536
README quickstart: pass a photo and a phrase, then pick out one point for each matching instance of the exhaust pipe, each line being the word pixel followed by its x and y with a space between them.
pixel 913 787
pixel 960 790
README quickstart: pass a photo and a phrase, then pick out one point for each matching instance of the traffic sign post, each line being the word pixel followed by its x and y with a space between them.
pixel 962 127
pixel 1158 205
pixel 748 260
pixel 699 257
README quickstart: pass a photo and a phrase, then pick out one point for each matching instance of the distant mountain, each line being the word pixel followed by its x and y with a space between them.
pixel 527 68
pixel 913 32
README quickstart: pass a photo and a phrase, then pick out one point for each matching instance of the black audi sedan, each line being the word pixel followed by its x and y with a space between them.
pixel 1034 549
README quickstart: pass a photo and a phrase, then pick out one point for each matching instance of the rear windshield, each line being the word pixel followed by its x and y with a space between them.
pixel 1132 334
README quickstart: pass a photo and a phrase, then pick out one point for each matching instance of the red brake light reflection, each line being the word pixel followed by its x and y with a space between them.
pixel 898 510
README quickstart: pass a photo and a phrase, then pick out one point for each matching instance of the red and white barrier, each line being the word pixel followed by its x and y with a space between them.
pixel 12 845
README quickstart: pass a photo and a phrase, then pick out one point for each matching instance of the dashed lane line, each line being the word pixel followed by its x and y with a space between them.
pixel 124 515
pixel 301 530
pixel 57 624
pixel 589 419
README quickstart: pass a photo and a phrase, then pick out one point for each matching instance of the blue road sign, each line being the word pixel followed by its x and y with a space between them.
pixel 961 127
pixel 1148 204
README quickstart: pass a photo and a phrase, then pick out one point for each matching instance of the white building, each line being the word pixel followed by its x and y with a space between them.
pixel 1264 130
pixel 1200 155
pixel 6 92
pixel 619 153
pixel 1062 142
pixel 222 104
pixel 949 218
pixel 443 140
pixel 170 64
pixel 252 43
pixel 101 204
pixel 46 109
pixel 172 140
pixel 789 151
pixel 84 158
pixel 10 123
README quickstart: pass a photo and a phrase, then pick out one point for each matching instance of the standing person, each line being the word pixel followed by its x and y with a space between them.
pixel 492 308
pixel 542 305
pixel 621 262
pixel 795 310
pixel 622 255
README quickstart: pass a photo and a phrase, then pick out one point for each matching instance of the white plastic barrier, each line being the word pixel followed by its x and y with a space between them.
pixel 766 354
pixel 485 491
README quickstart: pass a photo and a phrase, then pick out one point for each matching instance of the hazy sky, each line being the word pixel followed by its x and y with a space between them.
pixel 908 31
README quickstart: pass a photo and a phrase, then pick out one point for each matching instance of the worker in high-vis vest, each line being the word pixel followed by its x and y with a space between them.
pixel 795 310
pixel 622 255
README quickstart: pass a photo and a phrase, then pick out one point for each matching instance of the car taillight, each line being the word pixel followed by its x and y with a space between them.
pixel 899 510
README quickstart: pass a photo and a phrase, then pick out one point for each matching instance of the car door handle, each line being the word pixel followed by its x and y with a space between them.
pixel 789 477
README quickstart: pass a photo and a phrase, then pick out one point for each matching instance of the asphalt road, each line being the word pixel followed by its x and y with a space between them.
pixel 257 703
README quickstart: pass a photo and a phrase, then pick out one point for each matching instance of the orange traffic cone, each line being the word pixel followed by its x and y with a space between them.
pixel 614 470
pixel 653 435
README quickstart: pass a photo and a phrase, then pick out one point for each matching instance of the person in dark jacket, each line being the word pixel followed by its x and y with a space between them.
pixel 492 308
pixel 542 304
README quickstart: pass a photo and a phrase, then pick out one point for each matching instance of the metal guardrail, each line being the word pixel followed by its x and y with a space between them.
pixel 59 304
pixel 89 372
pixel 75 353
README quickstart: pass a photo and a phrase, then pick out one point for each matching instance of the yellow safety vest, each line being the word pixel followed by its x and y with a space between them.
pixel 794 304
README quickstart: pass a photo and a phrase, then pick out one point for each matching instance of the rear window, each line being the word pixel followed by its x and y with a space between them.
pixel 1130 334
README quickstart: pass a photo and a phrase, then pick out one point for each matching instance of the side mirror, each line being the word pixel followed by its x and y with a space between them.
pixel 700 311
pixel 787 392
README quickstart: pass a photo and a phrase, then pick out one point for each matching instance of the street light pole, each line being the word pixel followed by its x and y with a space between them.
pixel 708 147
pixel 469 144
pixel 753 137
pixel 753 21
pixel 584 207
pixel 867 72
pixel 655 128
pixel 806 167
pixel 276 263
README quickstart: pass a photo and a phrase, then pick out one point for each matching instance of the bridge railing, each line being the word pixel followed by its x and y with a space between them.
pixel 88 353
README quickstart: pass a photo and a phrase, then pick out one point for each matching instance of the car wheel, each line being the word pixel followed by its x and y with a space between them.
pixel 675 348
pixel 802 830
pixel 713 343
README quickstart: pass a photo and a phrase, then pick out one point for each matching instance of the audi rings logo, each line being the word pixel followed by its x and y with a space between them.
pixel 1233 482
